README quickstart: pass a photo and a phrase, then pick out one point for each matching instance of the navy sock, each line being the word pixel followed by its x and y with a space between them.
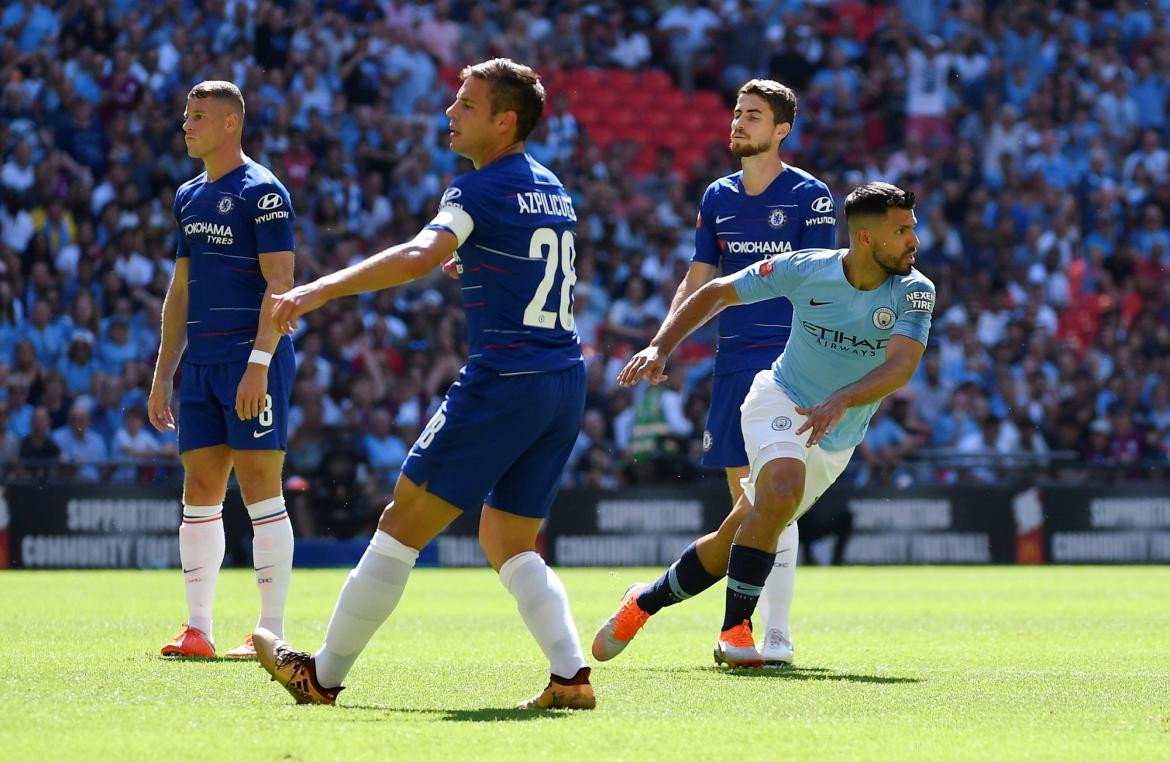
pixel 685 578
pixel 747 571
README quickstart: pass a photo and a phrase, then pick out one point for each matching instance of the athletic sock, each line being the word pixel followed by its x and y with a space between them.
pixel 776 600
pixel 272 556
pixel 201 547
pixel 747 570
pixel 544 607
pixel 370 593
pixel 685 578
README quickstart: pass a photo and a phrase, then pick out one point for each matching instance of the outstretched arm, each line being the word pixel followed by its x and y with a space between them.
pixel 902 356
pixel 698 308
pixel 391 267
pixel 699 274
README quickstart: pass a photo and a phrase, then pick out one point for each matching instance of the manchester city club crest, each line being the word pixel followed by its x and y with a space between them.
pixel 883 318
pixel 225 205
pixel 783 423
pixel 777 218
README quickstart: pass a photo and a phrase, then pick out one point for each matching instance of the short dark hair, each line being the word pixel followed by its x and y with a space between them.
pixel 221 91
pixel 875 199
pixel 781 99
pixel 514 87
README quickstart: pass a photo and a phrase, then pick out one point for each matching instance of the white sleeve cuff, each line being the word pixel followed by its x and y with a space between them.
pixel 456 220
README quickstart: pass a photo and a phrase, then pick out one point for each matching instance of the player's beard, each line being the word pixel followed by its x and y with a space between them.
pixel 746 150
pixel 893 266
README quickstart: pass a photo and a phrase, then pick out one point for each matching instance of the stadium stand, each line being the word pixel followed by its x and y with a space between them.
pixel 1033 133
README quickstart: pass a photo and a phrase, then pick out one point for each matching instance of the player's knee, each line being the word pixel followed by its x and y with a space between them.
pixel 492 552
pixel 203 489
pixel 777 495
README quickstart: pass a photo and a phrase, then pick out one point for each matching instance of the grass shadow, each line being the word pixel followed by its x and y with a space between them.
pixel 487 714
pixel 812 673
pixel 203 660
pixel 783 673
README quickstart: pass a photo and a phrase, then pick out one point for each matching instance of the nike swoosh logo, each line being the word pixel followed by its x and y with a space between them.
pixel 262 568
pixel 188 571
pixel 258 434
pixel 815 303
pixel 724 219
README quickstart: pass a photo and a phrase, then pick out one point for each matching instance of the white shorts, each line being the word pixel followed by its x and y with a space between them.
pixel 770 421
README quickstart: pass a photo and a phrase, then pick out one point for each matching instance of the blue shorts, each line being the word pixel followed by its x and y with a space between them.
pixel 500 440
pixel 207 406
pixel 723 436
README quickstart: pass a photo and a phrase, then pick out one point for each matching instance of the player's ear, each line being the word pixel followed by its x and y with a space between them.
pixel 506 120
pixel 864 237
pixel 782 130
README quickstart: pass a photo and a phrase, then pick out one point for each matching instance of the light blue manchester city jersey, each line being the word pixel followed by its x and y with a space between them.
pixel 839 333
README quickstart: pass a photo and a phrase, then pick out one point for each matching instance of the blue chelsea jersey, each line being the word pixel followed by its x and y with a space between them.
pixel 735 230
pixel 841 333
pixel 224 226
pixel 516 229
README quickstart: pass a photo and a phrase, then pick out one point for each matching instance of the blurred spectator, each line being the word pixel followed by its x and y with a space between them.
pixel 39 448
pixel 132 442
pixel 81 445
pixel 883 451
pixel 385 450
pixel 688 28
pixel 656 449
pixel 9 443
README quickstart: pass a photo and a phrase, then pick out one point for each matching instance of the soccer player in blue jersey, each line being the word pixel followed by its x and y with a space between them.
pixel 768 209
pixel 501 437
pixel 861 316
pixel 234 252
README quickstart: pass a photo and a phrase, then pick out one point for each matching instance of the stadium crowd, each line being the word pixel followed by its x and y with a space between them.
pixel 1034 133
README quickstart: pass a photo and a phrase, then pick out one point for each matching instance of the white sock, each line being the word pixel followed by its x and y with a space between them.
pixel 272 556
pixel 201 547
pixel 544 606
pixel 776 600
pixel 369 595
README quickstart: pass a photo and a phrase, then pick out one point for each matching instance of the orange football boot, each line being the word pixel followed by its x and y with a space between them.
pixel 620 629
pixel 245 650
pixel 737 648
pixel 190 643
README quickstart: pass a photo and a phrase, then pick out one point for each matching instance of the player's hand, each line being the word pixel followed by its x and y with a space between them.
pixel 451 268
pixel 158 406
pixel 647 364
pixel 287 308
pixel 251 391
pixel 822 418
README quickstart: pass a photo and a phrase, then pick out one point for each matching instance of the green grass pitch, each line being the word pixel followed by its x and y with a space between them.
pixel 893 663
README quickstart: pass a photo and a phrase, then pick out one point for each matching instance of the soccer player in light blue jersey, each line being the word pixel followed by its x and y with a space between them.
pixel 861 317
pixel 234 252
pixel 768 209
pixel 500 439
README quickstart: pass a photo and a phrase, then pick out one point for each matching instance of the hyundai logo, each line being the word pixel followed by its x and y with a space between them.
pixel 822 205
pixel 269 201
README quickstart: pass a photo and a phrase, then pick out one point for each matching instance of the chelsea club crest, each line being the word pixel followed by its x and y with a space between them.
pixel 225 205
pixel 777 219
